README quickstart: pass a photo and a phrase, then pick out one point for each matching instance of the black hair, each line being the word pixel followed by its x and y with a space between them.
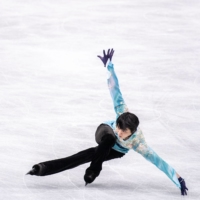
pixel 128 120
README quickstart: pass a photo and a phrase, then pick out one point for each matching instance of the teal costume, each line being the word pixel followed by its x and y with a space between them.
pixel 136 141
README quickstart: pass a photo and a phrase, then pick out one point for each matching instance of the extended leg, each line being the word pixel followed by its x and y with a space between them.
pixel 58 165
pixel 106 139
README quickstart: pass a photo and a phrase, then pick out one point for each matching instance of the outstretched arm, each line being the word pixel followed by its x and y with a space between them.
pixel 150 155
pixel 140 146
pixel 113 84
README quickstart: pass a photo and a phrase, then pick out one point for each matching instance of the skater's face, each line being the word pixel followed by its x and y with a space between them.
pixel 123 134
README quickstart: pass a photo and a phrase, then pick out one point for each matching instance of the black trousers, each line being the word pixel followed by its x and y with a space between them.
pixel 96 155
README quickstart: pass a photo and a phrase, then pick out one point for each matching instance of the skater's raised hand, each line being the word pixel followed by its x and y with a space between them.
pixel 107 56
pixel 183 186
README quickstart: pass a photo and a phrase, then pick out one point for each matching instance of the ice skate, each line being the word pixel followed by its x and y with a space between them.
pixel 33 171
pixel 89 177
pixel 37 170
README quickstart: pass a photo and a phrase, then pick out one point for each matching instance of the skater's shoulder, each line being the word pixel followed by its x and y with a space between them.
pixel 111 123
pixel 139 130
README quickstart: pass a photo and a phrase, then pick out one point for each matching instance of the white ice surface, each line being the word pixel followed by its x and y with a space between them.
pixel 53 94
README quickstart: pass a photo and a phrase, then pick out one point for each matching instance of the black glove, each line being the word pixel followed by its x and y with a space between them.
pixel 107 56
pixel 183 186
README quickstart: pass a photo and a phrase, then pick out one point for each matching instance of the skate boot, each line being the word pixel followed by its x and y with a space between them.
pixel 33 171
pixel 89 176
pixel 37 170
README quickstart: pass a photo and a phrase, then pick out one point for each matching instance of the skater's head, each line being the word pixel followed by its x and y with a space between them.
pixel 127 124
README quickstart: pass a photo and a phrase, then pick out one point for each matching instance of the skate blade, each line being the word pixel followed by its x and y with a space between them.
pixel 28 173
pixel 31 172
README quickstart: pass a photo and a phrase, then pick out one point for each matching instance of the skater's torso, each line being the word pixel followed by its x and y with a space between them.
pixel 133 142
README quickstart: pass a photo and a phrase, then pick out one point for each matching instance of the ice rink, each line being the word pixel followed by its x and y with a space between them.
pixel 53 94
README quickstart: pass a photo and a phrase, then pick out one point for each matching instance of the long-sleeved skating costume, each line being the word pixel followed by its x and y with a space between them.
pixel 136 141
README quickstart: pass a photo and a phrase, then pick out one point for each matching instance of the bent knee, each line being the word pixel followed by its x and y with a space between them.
pixel 109 139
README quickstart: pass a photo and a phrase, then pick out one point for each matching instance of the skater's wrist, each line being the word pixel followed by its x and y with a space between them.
pixel 109 66
pixel 180 179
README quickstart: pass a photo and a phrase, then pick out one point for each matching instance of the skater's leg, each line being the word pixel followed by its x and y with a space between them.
pixel 96 165
pixel 101 153
pixel 106 139
pixel 58 165
pixel 102 130
pixel 114 154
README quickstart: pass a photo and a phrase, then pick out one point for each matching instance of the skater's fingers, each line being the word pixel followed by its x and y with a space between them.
pixel 104 53
pixel 99 57
pixel 108 52
pixel 112 52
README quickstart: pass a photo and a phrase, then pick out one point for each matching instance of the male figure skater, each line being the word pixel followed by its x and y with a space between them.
pixel 115 138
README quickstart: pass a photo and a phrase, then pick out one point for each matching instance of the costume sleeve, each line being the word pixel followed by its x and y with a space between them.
pixel 113 85
pixel 150 155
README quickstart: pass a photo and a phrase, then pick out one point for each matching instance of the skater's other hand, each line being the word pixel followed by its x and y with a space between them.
pixel 183 186
pixel 107 56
